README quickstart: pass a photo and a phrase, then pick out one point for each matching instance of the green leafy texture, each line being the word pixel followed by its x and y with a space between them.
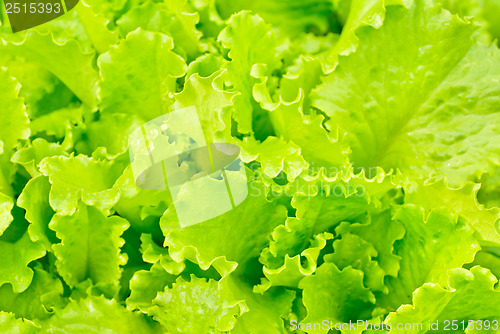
pixel 66 60
pixel 469 295
pixel 15 122
pixel 95 315
pixel 320 204
pixel 81 178
pixel 295 268
pixel 275 155
pixel 173 18
pixel 381 232
pixel 42 91
pixel 154 69
pixel 196 306
pixel 35 200
pixel 242 33
pixel 205 65
pixel 58 123
pixel 142 208
pixel 432 245
pixel 37 300
pixel 110 131
pixel 334 295
pixel 352 250
pixel 31 156
pixel 10 325
pixel 218 240
pixel 96 27
pixel 265 312
pixel 145 285
pixel 90 246
pixel 462 200
pixel 292 17
pixel 436 119
pixel 354 15
pixel 6 205
pixel 212 104
pixel 152 253
pixel 483 12
pixel 15 259
pixel 293 120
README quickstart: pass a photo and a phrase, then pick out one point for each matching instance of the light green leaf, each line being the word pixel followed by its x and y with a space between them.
pixel 90 246
pixel 469 295
pixel 462 201
pixel 196 306
pixel 96 27
pixel 66 60
pixel 10 325
pixel 97 315
pixel 6 205
pixel 15 259
pixel 242 33
pixel 237 235
pixel 30 156
pixel 173 18
pixel 15 122
pixel 155 69
pixel 37 301
pixel 432 245
pixel 35 200
pixel 145 285
pixel 336 296
pixel 81 177
pixel 275 155
pixel 428 109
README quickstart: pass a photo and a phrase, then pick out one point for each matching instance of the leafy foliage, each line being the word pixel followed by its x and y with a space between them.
pixel 370 135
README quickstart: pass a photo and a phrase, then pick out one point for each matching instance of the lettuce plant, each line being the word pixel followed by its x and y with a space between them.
pixel 370 133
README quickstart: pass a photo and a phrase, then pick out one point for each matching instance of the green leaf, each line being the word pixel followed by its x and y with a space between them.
pixel 292 17
pixel 31 156
pixel 66 60
pixel 237 235
pixel 428 109
pixel 172 18
pixel 265 312
pixel 6 205
pixel 295 268
pixel 336 296
pixel 352 250
pixel 15 122
pixel 94 315
pixel 432 245
pixel 81 178
pixel 15 259
pixel 469 295
pixel 96 27
pixel 10 325
pixel 37 301
pixel 145 285
pixel 293 120
pixel 154 69
pixel 196 306
pixel 242 33
pixel 274 155
pixel 35 200
pixel 212 104
pixel 90 246
pixel 462 201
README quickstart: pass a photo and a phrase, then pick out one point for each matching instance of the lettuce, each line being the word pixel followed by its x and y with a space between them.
pixel 369 133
